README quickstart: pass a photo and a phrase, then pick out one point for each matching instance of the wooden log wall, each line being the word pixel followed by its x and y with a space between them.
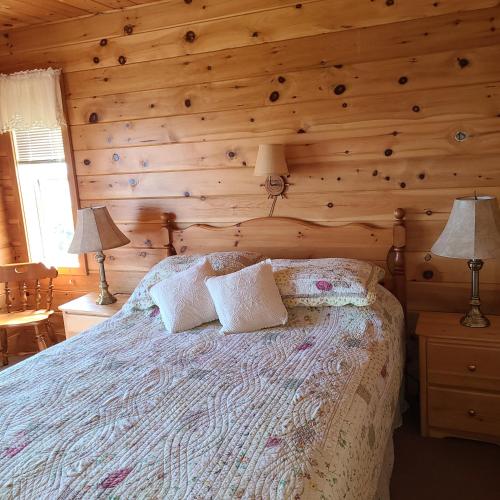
pixel 381 103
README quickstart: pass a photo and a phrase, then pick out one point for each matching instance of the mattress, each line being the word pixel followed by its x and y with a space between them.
pixel 126 411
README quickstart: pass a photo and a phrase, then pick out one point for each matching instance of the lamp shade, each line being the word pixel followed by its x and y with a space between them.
pixel 472 230
pixel 95 231
pixel 271 160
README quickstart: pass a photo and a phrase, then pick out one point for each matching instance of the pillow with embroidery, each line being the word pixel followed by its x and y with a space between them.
pixel 221 262
pixel 326 282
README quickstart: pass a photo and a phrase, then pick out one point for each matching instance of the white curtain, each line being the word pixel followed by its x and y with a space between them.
pixel 31 99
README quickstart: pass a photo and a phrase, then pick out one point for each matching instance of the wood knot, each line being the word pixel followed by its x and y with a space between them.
pixel 103 42
pixel 462 62
pixel 122 60
pixel 375 173
pixel 87 162
pixel 402 185
pixel 330 205
pixel 281 79
pixel 415 109
pixel 142 254
pixel 148 243
pixel 128 29
pixel 96 60
pixel 275 95
pixel 116 156
pixel 301 131
pixel 421 176
pixel 132 182
pixel 339 89
pixel 428 274
pixel 388 152
pixel 231 155
pixel 403 80
pixel 187 103
pixel 93 118
pixel 190 36
pixel 389 3
pixel 428 212
pixel 187 194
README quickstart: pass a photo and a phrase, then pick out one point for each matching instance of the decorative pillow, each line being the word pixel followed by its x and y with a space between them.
pixel 326 282
pixel 248 300
pixel 221 262
pixel 183 299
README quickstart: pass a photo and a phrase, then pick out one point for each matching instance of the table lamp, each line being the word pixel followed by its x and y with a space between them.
pixel 95 231
pixel 271 164
pixel 472 232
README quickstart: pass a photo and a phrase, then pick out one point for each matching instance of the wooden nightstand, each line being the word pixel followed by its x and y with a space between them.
pixel 459 378
pixel 83 313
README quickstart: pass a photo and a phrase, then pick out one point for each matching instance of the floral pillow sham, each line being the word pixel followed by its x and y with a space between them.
pixel 326 282
pixel 221 262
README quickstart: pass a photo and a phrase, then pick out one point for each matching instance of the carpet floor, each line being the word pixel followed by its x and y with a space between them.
pixel 443 469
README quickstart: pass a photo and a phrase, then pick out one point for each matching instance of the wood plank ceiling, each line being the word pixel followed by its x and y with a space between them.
pixel 18 13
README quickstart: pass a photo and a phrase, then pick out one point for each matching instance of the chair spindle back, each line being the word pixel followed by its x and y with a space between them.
pixel 22 275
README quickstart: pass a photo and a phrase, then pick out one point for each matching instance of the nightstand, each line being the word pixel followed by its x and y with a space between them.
pixel 459 378
pixel 83 313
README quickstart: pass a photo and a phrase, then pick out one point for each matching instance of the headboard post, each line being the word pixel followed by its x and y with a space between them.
pixel 396 257
pixel 167 222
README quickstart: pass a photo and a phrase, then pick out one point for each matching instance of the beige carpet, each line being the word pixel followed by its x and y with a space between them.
pixel 443 469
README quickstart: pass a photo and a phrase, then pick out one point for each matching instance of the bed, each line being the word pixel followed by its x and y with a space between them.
pixel 300 411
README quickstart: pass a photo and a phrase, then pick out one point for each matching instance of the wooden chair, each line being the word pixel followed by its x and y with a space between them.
pixel 22 316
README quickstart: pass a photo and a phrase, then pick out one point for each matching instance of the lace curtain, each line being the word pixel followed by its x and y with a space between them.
pixel 31 99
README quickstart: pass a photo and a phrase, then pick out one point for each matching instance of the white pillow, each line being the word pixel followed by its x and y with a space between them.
pixel 184 300
pixel 248 300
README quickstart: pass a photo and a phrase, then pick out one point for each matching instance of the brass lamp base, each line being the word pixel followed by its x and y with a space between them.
pixel 105 298
pixel 475 318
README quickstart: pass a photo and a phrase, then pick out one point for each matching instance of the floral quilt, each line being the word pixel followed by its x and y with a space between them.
pixel 126 411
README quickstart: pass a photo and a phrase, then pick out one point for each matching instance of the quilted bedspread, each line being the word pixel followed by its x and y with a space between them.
pixel 127 411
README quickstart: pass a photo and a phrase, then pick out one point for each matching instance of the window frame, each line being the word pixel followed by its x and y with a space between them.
pixel 82 268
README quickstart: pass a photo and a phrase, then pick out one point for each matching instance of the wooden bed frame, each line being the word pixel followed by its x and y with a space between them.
pixel 289 238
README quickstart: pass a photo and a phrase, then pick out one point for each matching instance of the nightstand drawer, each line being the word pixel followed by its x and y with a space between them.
pixel 469 412
pixel 75 324
pixel 463 366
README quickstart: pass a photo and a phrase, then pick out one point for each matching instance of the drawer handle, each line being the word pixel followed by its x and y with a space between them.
pixel 472 413
pixel 472 368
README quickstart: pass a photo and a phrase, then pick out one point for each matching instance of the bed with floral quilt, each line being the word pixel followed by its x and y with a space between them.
pixel 125 411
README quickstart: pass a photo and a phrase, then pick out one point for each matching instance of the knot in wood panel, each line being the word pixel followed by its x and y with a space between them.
pixel 461 136
pixel 187 103
pixel 87 162
pixel 231 155
pixel 133 182
pixel 122 60
pixel 329 205
pixel 388 152
pixel 103 42
pixel 339 89
pixel 389 3
pixel 128 29
pixel 275 95
pixel 93 117
pixel 96 60
pixel 281 79
pixel 403 80
pixel 190 36
pixel 462 62
pixel 116 156
pixel 428 274
pixel 415 109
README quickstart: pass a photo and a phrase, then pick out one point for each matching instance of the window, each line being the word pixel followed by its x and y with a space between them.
pixel 44 189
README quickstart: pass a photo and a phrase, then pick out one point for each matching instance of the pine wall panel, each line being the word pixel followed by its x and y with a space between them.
pixel 368 97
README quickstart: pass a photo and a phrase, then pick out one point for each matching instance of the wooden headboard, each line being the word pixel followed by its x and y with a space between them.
pixel 284 237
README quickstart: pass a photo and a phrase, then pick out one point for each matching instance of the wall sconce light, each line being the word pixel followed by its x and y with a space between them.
pixel 271 163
